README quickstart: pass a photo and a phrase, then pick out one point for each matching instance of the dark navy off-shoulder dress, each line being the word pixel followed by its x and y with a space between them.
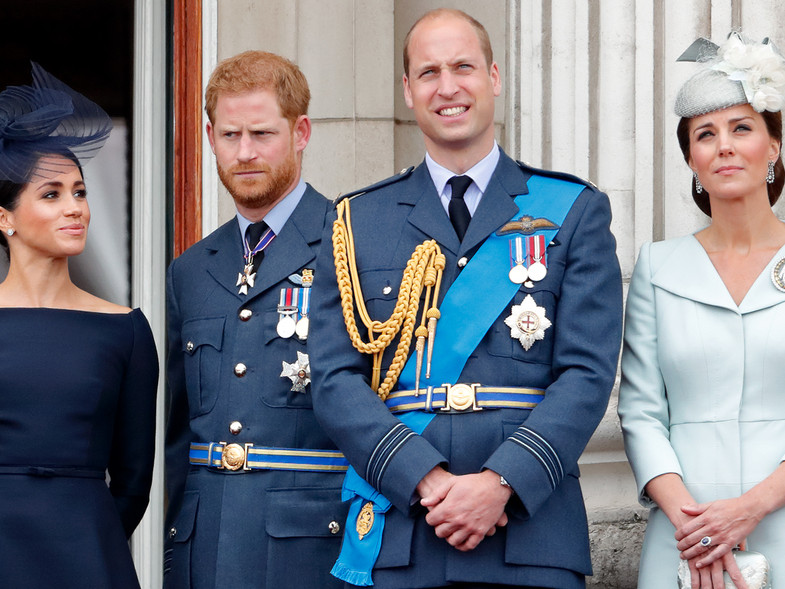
pixel 77 427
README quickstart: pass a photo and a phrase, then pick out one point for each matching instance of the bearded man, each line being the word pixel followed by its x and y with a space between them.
pixel 253 481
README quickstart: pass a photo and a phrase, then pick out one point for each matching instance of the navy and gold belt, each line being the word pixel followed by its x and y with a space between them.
pixel 225 456
pixel 461 398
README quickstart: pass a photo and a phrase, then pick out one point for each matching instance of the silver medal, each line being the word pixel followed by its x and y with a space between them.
pixel 286 326
pixel 537 271
pixel 518 274
pixel 301 329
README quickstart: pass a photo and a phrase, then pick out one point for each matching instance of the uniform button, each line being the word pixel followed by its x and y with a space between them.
pixel 172 533
pixel 240 369
pixel 334 527
pixel 189 347
pixel 462 262
pixel 387 290
pixel 245 314
pixel 235 427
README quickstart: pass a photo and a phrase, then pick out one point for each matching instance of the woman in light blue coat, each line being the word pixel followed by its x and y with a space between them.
pixel 702 401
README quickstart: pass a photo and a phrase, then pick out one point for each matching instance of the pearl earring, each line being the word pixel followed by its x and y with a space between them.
pixel 10 232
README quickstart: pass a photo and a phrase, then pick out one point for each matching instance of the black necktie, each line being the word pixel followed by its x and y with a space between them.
pixel 253 233
pixel 459 212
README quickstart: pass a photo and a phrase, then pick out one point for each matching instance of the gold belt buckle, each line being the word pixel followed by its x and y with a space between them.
pixel 461 397
pixel 234 456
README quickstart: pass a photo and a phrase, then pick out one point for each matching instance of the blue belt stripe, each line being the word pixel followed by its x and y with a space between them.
pixel 260 457
pixel 496 398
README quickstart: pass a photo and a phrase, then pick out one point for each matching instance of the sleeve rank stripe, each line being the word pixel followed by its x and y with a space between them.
pixel 384 450
pixel 542 450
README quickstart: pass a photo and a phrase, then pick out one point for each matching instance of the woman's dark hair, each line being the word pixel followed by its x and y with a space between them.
pixel 10 191
pixel 773 122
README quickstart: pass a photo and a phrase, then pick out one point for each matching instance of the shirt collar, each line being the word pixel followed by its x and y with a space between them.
pixel 277 216
pixel 480 172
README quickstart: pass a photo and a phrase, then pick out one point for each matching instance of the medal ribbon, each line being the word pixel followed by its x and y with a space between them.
pixel 535 248
pixel 264 241
pixel 305 302
pixel 520 255
pixel 484 278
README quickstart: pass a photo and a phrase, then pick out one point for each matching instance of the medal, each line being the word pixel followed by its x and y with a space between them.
pixel 247 277
pixel 286 326
pixel 527 322
pixel 287 312
pixel 535 247
pixel 537 271
pixel 298 372
pixel 301 329
pixel 778 275
pixel 518 273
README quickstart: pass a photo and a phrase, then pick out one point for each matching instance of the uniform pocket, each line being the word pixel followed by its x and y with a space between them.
pixel 557 536
pixel 177 561
pixel 305 528
pixel 202 341
pixel 501 342
pixel 275 388
pixel 380 291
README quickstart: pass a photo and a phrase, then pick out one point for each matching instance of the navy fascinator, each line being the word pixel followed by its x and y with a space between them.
pixel 44 120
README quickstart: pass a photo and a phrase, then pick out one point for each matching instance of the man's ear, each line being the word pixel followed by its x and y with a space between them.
pixel 301 132
pixel 210 137
pixel 407 92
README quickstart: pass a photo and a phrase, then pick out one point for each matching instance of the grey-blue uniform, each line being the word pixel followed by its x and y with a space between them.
pixel 536 450
pixel 244 528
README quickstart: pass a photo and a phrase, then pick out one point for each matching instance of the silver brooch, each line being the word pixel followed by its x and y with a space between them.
pixel 778 275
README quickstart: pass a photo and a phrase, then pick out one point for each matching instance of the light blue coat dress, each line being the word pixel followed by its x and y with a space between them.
pixel 702 392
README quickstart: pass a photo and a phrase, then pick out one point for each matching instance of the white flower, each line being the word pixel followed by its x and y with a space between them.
pixel 759 69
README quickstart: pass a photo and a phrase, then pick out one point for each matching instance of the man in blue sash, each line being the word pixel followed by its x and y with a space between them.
pixel 465 472
pixel 254 484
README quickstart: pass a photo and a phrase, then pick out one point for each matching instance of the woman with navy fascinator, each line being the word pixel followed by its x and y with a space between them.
pixel 78 375
pixel 702 401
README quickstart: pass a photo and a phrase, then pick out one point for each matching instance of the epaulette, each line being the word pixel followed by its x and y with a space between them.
pixel 381 184
pixel 558 175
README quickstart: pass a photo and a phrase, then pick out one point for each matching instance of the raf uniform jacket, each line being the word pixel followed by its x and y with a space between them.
pixel 254 529
pixel 546 541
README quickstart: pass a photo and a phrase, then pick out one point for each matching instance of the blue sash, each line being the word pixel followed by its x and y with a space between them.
pixel 484 278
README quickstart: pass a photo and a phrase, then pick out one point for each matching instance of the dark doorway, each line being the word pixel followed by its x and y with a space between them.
pixel 88 44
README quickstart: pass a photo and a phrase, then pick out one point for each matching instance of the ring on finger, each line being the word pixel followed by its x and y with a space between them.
pixel 705 541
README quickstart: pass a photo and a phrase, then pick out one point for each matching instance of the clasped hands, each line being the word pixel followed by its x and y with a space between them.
pixel 726 523
pixel 464 509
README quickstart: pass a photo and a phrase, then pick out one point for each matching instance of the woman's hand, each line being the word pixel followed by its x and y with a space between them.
pixel 726 523
pixel 711 576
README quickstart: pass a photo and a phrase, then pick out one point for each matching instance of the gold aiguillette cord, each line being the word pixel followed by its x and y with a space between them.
pixel 424 269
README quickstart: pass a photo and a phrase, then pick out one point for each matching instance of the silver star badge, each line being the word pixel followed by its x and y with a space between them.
pixel 299 372
pixel 527 322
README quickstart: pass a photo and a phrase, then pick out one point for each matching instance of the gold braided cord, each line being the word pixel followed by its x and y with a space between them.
pixel 424 269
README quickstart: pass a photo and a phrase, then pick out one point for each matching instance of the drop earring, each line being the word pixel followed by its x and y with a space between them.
pixel 698 185
pixel 770 174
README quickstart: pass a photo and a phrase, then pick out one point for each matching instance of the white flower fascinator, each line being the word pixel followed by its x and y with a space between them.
pixel 739 71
